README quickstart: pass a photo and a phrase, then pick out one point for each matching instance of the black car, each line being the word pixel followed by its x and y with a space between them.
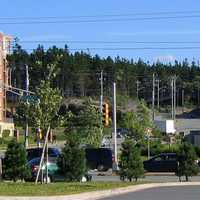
pixel 37 152
pixel 164 162
pixel 99 158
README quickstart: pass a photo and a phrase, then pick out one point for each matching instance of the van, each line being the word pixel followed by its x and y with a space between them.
pixel 99 158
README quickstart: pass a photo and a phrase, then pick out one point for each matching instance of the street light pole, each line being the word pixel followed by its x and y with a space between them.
pixel 153 98
pixel 27 93
pixel 101 96
pixel 115 164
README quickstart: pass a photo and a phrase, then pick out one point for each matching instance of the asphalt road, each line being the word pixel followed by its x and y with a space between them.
pixel 162 193
pixel 148 178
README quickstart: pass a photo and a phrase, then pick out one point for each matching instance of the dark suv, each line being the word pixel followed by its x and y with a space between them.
pixel 164 162
pixel 37 152
pixel 99 158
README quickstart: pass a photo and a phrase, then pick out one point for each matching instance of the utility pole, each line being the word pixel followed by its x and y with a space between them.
pixel 115 164
pixel 183 99
pixel 101 96
pixel 174 97
pixel 172 94
pixel 137 88
pixel 158 94
pixel 153 98
pixel 27 93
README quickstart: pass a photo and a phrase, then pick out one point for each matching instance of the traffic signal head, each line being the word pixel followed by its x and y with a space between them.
pixel 105 114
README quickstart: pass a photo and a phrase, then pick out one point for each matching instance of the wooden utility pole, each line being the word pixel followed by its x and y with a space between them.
pixel 137 88
pixel 158 94
pixel 101 95
pixel 173 94
pixel 172 99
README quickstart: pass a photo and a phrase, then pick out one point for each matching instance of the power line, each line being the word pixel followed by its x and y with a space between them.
pixel 105 15
pixel 108 42
pixel 100 20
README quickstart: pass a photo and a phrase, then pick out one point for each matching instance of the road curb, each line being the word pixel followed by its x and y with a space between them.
pixel 104 193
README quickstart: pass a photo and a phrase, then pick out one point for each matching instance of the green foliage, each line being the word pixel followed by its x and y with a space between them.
pixel 87 125
pixel 15 163
pixel 65 71
pixel 131 165
pixel 138 122
pixel 72 162
pixel 45 112
pixel 186 158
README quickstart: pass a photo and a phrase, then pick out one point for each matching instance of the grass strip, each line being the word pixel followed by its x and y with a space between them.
pixel 59 188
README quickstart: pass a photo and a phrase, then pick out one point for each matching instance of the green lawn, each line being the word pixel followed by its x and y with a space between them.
pixel 29 189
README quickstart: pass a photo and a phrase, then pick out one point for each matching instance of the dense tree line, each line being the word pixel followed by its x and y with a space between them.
pixel 78 74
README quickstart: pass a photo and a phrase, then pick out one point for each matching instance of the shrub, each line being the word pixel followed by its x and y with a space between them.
pixel 186 158
pixel 72 162
pixel 131 165
pixel 15 162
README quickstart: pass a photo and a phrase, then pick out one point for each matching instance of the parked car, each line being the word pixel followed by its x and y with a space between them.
pixel 99 158
pixel 53 171
pixel 164 162
pixel 37 152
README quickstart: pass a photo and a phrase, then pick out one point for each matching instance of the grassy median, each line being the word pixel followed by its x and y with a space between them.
pixel 60 188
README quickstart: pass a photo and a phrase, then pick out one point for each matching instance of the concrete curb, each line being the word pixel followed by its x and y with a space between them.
pixel 104 193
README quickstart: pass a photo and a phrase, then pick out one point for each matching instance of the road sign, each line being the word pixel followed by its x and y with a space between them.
pixel 30 99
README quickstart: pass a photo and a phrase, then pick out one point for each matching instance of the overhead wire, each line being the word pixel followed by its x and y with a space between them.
pixel 107 42
pixel 133 13
pixel 99 20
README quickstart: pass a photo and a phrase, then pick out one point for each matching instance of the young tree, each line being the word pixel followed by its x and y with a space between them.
pixel 15 162
pixel 44 112
pixel 138 122
pixel 186 158
pixel 72 162
pixel 131 165
pixel 88 125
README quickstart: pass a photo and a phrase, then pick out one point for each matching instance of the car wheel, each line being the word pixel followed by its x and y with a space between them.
pixel 101 168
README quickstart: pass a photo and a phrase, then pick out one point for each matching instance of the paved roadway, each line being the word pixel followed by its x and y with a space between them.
pixel 162 193
pixel 156 177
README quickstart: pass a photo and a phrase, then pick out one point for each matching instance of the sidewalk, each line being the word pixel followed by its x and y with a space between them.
pixel 103 194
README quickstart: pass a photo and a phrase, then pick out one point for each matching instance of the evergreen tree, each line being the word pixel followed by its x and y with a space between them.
pixel 15 163
pixel 138 122
pixel 186 158
pixel 131 165
pixel 72 162
pixel 88 123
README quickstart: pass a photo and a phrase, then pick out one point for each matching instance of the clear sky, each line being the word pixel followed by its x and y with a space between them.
pixel 126 29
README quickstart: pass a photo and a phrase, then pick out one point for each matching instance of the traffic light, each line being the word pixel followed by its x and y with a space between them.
pixel 105 114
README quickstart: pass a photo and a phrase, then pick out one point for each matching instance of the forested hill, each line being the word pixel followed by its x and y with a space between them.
pixel 78 74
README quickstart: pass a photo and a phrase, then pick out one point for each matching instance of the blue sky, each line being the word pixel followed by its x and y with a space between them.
pixel 171 30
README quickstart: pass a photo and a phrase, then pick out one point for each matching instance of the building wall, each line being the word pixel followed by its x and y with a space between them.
pixel 4 51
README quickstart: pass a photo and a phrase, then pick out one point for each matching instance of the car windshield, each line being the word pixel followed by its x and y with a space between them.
pixel 35 161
